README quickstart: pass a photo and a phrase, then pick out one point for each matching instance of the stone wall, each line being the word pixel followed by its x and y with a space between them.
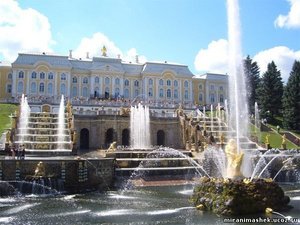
pixel 76 174
pixel 98 125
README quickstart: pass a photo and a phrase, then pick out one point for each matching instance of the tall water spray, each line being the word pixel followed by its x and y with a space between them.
pixel 237 86
pixel 61 124
pixel 24 118
pixel 257 121
pixel 140 127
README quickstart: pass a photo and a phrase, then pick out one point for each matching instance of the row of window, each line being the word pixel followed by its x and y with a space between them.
pixel 212 87
pixel 85 80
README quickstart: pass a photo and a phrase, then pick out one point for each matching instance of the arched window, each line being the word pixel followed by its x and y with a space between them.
pixel 9 76
pixel 74 91
pixel 63 76
pixel 97 80
pixel 117 93
pixel 126 82
pixel 21 75
pixel 150 94
pixel 136 93
pixel 176 94
pixel 221 88
pixel 126 93
pixel 74 80
pixel 106 92
pixel 20 87
pixel 62 89
pixel 186 94
pixel 212 98
pixel 161 93
pixel 200 86
pixel 212 87
pixel 161 82
pixel 50 76
pixel 168 83
pixel 97 92
pixel 85 80
pixel 150 82
pixel 221 98
pixel 33 75
pixel 136 83
pixel 42 75
pixel 200 97
pixel 107 80
pixel 42 87
pixel 117 81
pixel 50 89
pixel 186 84
pixel 168 93
pixel 8 88
pixel 33 88
pixel 175 83
pixel 85 92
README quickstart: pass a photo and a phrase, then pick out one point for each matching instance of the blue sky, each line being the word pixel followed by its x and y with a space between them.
pixel 191 32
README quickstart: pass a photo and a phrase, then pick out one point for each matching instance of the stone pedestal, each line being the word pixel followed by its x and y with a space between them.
pixel 283 146
pixel 268 146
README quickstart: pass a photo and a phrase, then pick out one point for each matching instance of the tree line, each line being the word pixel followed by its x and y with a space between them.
pixel 274 98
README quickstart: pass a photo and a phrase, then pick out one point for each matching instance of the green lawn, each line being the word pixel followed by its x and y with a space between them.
pixel 5 111
pixel 278 121
pixel 275 139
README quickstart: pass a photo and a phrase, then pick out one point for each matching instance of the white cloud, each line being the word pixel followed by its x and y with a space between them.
pixel 22 30
pixel 214 58
pixel 281 55
pixel 292 19
pixel 94 44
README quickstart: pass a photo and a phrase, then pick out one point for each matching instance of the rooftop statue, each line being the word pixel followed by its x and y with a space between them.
pixel 103 50
pixel 234 159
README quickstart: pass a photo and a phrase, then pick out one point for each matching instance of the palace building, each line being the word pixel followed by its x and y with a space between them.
pixel 50 76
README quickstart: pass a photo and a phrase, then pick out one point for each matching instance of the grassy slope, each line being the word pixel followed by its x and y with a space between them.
pixel 5 111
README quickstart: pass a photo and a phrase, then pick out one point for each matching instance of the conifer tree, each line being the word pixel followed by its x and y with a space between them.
pixel 291 99
pixel 270 92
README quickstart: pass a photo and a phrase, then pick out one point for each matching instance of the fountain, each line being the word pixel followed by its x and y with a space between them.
pixel 232 194
pixel 61 124
pixel 23 119
pixel 140 127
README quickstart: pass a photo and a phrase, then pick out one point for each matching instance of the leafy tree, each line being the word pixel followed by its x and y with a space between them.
pixel 291 99
pixel 251 71
pixel 270 92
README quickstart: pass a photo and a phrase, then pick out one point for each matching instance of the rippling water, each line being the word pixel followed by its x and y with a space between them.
pixel 149 205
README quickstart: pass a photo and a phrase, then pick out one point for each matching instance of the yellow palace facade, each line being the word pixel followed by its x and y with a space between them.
pixel 50 76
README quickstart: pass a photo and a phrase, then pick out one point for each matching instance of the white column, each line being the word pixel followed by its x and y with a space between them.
pixel 68 85
pixel 55 84
pixel 122 86
pixel 113 86
pixel 14 83
pixel 79 85
pixel 92 85
pixel 27 76
pixel 191 91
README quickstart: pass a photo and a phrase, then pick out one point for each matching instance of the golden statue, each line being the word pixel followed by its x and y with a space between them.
pixel 222 138
pixel 103 50
pixel 234 159
pixel 267 139
pixel 39 170
pixel 8 134
pixel 283 143
pixel 283 140
pixel 112 147
pixel 74 137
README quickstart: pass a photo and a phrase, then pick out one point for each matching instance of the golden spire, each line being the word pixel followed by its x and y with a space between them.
pixel 103 50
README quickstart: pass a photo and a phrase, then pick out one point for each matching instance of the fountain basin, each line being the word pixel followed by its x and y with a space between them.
pixel 236 197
